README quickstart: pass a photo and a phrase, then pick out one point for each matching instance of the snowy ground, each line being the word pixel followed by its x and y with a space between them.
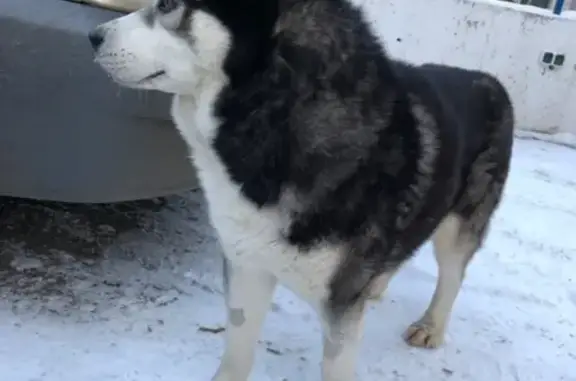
pixel 132 292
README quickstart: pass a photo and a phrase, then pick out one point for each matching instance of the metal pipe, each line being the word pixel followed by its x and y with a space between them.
pixel 558 7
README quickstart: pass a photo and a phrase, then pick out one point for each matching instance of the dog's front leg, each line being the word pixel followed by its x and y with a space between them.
pixel 248 296
pixel 342 339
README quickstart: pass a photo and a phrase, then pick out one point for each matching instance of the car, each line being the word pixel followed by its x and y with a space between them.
pixel 67 132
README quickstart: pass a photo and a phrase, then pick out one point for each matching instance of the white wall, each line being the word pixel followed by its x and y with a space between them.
pixel 484 34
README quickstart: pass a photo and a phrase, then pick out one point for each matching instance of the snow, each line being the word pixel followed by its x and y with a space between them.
pixel 566 139
pixel 145 303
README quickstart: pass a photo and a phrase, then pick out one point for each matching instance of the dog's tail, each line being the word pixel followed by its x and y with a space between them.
pixel 500 120
pixel 489 171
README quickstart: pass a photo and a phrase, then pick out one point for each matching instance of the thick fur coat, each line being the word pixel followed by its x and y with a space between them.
pixel 325 163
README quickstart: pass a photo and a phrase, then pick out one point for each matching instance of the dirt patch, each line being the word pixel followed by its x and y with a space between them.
pixel 81 229
pixel 45 247
pixel 91 261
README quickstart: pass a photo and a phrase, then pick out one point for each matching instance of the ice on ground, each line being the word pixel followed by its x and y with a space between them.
pixel 144 302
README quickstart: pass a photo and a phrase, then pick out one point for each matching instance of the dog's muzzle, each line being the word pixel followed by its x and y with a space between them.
pixel 96 37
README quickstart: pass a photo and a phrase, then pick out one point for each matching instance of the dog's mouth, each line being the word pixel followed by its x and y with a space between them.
pixel 143 82
pixel 152 76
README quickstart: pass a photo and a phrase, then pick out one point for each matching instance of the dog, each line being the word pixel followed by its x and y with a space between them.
pixel 325 163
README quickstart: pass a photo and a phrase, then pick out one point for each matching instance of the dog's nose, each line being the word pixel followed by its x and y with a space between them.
pixel 96 38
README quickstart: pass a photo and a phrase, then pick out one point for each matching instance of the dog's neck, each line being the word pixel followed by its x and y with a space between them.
pixel 198 106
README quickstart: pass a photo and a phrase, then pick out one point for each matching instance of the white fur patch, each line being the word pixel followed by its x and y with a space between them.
pixel 250 236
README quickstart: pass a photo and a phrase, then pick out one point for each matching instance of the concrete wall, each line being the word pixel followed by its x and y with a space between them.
pixel 503 38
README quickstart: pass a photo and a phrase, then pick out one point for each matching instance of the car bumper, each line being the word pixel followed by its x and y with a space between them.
pixel 67 132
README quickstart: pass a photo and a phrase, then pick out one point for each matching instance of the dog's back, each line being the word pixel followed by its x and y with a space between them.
pixel 477 100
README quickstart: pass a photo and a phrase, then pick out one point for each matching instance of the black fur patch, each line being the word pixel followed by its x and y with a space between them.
pixel 377 152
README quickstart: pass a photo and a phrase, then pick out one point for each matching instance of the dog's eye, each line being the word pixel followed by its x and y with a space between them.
pixel 166 6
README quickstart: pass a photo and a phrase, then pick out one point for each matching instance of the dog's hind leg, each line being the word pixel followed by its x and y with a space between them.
pixel 461 233
pixel 342 339
pixel 453 248
pixel 248 296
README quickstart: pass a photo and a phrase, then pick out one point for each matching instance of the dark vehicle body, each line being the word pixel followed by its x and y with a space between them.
pixel 67 132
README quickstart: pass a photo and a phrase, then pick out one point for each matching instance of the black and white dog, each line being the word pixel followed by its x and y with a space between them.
pixel 325 164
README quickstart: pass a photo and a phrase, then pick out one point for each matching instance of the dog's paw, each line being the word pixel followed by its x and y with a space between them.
pixel 424 335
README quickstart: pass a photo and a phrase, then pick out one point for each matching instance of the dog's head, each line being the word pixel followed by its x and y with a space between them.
pixel 174 45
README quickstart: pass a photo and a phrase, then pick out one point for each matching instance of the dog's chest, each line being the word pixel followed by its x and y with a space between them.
pixel 244 230
pixel 250 236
